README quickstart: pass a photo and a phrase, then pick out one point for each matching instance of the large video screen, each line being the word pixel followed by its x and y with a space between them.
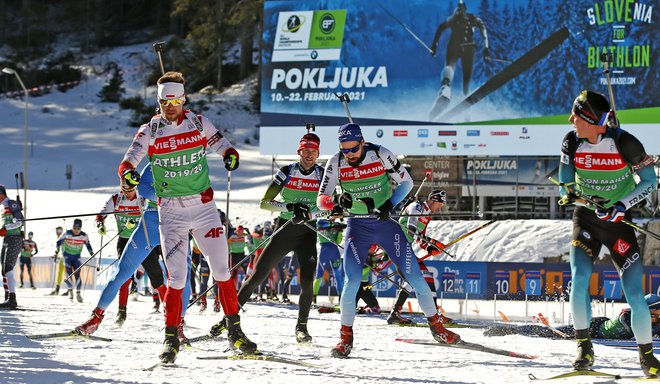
pixel 470 77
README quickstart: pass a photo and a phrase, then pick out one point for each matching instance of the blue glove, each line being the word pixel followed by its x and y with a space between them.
pixel 613 214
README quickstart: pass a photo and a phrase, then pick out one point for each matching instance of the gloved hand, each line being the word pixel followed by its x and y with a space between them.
pixel 131 178
pixel 613 214
pixel 345 200
pixel 486 54
pixel 435 248
pixel 337 211
pixel 383 212
pixel 57 252
pixel 231 159
pixel 570 198
pixel 301 212
pixel 369 202
pixel 130 224
pixel 101 228
pixel 3 231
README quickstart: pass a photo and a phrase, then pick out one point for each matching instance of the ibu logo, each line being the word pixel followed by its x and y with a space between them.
pixel 423 132
pixel 327 23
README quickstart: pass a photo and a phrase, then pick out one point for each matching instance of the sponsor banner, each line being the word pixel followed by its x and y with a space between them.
pixel 511 171
pixel 314 48
pixel 540 140
pixel 483 280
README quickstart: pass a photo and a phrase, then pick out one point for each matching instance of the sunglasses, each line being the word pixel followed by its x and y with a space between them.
pixel 175 102
pixel 350 150
pixel 78 228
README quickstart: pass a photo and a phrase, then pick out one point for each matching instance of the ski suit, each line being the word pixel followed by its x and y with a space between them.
pixel 177 153
pixel 372 179
pixel 604 172
pixel 136 252
pixel 329 258
pixel 72 246
pixel 293 185
pixel 12 242
pixel 29 249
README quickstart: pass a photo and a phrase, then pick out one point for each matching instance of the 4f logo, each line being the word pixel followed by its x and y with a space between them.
pixel 214 232
pixel 621 247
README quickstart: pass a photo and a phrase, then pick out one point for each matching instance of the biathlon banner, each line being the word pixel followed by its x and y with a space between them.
pixel 428 77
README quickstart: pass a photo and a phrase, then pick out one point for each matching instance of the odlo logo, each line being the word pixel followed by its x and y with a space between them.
pixel 629 261
pixel 327 23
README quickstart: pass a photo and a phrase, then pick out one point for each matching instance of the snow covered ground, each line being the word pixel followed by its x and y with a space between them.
pixel 376 358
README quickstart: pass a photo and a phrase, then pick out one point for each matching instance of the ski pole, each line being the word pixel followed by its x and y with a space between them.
pixel 227 205
pixel 594 204
pixel 452 242
pixel 158 47
pixel 144 222
pixel 91 257
pixel 84 214
pixel 370 267
pixel 240 262
pixel 108 267
pixel 345 100
pixel 98 266
pixel 605 59
pixel 477 214
pixel 407 29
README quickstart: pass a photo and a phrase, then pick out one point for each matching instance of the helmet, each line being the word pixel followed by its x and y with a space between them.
pixel 258 229
pixel 653 301
pixel 438 195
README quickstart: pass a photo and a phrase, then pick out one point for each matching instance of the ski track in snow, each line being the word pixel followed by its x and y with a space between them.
pixel 376 357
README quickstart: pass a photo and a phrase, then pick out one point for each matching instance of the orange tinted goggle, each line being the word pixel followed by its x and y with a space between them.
pixel 174 102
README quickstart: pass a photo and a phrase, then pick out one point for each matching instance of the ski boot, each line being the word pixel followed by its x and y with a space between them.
pixel 375 310
pixel 202 304
pixel 193 297
pixel 440 333
pixel 92 324
pixel 396 318
pixel 170 346
pixel 584 358
pixel 33 287
pixel 56 291
pixel 445 320
pixel 216 305
pixel 237 339
pixel 68 292
pixel 21 286
pixel 343 348
pixel 10 303
pixel 218 328
pixel 156 299
pixel 121 316
pixel 650 365
pixel 71 295
pixel 182 337
pixel 302 334
pixel 78 296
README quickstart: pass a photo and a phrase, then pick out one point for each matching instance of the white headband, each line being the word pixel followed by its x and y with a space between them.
pixel 170 91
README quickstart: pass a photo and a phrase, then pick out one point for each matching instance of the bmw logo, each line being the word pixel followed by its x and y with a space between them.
pixel 379 133
pixel 314 54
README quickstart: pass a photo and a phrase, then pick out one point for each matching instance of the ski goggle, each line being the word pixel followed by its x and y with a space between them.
pixel 175 102
pixel 351 150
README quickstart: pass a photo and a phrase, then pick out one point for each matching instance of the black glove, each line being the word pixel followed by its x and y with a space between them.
pixel 369 202
pixel 231 159
pixel 345 200
pixel 486 54
pixel 430 248
pixel 337 210
pixel 301 212
pixel 383 212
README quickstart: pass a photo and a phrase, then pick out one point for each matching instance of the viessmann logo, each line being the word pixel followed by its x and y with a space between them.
pixel 373 169
pixel 400 133
pixel 599 161
pixel 499 133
